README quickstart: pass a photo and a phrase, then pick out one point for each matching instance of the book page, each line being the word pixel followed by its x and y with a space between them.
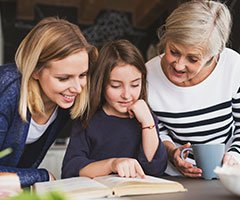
pixel 114 180
pixel 136 186
pixel 74 188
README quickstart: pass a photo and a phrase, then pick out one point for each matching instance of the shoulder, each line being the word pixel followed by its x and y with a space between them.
pixel 230 62
pixel 153 62
pixel 9 71
pixel 98 117
pixel 154 71
pixel 231 52
pixel 153 67
pixel 10 81
pixel 230 56
pixel 10 77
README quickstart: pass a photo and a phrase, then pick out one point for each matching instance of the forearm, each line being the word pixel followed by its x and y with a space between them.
pixel 28 176
pixel 98 168
pixel 170 147
pixel 150 142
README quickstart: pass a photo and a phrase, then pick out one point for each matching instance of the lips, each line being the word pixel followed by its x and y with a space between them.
pixel 178 73
pixel 125 104
pixel 69 98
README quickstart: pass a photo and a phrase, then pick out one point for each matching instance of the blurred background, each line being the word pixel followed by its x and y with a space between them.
pixel 100 21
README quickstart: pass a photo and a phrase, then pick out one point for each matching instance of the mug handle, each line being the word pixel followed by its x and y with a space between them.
pixel 184 150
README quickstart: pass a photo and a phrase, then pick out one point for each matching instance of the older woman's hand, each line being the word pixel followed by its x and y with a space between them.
pixel 184 167
pixel 230 160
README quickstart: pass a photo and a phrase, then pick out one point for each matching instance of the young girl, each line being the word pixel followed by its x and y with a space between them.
pixel 121 134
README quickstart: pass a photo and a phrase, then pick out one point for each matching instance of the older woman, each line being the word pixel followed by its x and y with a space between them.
pixel 194 86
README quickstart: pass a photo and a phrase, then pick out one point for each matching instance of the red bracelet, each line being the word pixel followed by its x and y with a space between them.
pixel 149 127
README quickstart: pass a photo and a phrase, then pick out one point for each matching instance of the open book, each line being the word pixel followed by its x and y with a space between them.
pixel 108 186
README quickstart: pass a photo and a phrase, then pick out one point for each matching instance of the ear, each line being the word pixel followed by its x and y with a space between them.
pixel 35 75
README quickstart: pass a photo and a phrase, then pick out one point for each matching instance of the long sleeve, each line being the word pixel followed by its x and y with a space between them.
pixel 16 142
pixel 159 162
pixel 28 176
pixel 109 137
pixel 77 153
pixel 235 146
pixel 13 131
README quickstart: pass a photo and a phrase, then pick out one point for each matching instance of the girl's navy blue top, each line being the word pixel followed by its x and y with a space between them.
pixel 109 137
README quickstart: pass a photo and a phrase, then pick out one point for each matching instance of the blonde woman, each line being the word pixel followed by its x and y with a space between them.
pixel 47 86
pixel 194 85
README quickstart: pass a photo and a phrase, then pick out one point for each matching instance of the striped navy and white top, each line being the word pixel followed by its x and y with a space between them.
pixel 208 112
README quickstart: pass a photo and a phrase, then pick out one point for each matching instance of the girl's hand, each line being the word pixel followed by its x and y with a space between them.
pixel 184 167
pixel 142 113
pixel 127 167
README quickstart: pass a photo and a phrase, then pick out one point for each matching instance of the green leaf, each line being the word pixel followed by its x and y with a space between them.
pixel 54 196
pixel 5 152
pixel 26 195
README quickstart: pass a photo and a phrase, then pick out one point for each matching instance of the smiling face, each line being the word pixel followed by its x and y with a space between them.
pixel 122 90
pixel 185 65
pixel 62 80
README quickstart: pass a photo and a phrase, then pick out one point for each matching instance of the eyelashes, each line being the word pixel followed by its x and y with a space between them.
pixel 189 58
pixel 119 86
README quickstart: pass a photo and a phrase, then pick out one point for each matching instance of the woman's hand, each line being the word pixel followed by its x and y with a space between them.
pixel 51 177
pixel 127 167
pixel 230 160
pixel 184 167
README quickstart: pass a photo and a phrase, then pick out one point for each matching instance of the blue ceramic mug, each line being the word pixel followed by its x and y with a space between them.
pixel 207 157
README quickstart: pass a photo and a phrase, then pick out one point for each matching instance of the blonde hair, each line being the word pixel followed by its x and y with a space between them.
pixel 51 39
pixel 198 23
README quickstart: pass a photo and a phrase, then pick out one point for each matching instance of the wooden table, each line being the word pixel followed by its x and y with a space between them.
pixel 198 189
